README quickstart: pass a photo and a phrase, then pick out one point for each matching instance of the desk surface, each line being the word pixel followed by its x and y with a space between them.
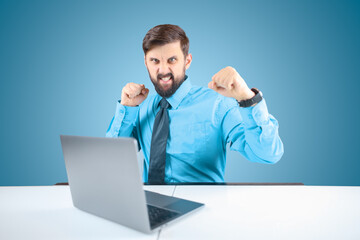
pixel 231 212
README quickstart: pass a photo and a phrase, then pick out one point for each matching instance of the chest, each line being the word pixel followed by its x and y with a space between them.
pixel 190 127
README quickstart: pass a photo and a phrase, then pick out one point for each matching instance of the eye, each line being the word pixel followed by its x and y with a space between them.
pixel 172 60
pixel 154 60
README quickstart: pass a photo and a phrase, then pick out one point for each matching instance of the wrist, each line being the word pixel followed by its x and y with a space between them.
pixel 125 104
pixel 248 95
pixel 257 97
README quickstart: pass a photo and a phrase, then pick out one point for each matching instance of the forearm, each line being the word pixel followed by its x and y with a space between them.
pixel 124 121
pixel 261 143
pixel 257 137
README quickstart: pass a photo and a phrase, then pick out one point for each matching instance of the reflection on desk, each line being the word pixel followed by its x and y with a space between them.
pixel 230 212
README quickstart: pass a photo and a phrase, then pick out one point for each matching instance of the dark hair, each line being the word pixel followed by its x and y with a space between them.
pixel 164 34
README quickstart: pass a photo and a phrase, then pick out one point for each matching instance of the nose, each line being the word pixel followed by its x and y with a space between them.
pixel 164 68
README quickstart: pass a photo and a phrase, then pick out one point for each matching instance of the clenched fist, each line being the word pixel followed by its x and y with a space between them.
pixel 229 83
pixel 133 94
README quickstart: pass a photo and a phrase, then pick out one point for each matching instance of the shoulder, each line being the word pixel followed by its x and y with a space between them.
pixel 149 101
pixel 207 94
pixel 203 92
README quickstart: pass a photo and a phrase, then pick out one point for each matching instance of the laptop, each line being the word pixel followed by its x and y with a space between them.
pixel 105 180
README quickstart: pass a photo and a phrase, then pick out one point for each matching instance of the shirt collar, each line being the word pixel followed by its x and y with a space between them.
pixel 179 95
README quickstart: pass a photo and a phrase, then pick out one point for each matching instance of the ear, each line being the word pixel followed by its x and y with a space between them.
pixel 145 60
pixel 188 60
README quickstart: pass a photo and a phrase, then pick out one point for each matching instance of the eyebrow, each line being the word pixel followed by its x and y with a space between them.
pixel 153 58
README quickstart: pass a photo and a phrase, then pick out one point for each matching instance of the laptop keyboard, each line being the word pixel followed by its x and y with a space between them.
pixel 159 215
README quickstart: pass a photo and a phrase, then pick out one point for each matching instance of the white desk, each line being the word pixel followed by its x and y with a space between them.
pixel 269 212
pixel 47 213
pixel 231 212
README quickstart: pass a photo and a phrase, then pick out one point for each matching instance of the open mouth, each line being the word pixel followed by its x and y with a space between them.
pixel 165 80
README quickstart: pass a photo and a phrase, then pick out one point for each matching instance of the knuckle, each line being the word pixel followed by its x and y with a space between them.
pixel 125 90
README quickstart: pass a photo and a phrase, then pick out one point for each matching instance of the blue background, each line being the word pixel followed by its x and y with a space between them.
pixel 63 65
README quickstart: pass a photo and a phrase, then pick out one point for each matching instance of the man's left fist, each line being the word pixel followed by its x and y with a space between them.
pixel 229 83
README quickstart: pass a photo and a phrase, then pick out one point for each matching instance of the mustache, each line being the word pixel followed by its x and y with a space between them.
pixel 165 75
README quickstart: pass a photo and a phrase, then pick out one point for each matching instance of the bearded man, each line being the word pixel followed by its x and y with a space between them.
pixel 183 129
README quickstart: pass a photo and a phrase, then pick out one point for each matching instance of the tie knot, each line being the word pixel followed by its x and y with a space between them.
pixel 164 103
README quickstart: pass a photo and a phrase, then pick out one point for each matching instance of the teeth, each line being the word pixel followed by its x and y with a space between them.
pixel 165 79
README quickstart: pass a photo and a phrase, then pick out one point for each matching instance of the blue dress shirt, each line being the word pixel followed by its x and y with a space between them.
pixel 201 124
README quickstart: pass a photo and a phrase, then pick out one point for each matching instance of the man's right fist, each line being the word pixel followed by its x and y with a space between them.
pixel 133 94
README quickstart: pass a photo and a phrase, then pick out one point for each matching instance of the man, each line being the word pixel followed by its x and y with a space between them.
pixel 183 130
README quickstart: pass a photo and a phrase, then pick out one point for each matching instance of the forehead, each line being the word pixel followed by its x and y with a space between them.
pixel 167 50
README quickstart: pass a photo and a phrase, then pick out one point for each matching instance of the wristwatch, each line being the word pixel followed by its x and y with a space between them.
pixel 255 99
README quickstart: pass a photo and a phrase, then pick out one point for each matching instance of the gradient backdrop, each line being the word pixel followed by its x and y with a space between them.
pixel 63 65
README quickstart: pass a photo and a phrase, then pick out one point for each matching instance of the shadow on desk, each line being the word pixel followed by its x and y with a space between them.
pixel 221 183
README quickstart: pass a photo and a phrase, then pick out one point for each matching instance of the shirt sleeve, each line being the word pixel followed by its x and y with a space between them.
pixel 123 122
pixel 253 132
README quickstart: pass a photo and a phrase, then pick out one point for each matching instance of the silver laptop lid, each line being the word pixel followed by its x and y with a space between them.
pixel 92 165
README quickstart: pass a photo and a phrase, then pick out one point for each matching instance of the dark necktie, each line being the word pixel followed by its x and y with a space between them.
pixel 158 145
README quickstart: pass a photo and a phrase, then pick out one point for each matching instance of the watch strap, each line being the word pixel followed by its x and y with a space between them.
pixel 249 102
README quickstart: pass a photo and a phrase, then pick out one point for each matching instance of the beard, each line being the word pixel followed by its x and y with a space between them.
pixel 176 83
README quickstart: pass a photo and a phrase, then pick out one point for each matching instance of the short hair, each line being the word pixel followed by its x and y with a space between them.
pixel 164 34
